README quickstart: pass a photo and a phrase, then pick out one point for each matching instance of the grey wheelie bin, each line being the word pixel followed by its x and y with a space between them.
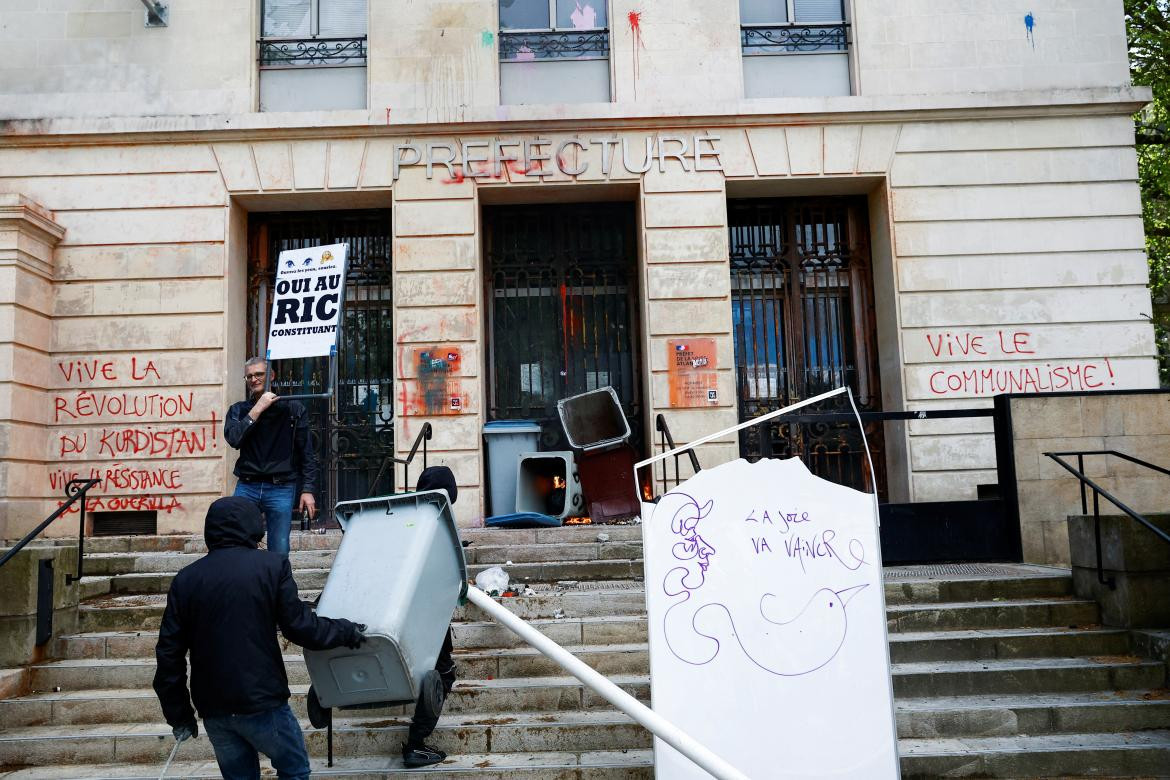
pixel 400 570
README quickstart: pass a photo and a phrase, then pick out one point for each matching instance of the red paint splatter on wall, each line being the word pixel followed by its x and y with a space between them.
pixel 635 20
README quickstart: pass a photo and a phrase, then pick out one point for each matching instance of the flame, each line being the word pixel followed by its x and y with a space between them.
pixel 558 482
pixel 647 493
pixel 578 520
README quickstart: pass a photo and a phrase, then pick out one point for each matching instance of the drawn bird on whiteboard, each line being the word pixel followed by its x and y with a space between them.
pixel 800 644
pixel 787 644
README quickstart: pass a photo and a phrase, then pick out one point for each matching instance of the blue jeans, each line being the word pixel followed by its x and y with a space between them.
pixel 276 502
pixel 275 733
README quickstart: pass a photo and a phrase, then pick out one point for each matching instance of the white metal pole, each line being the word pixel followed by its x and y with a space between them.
pixel 655 723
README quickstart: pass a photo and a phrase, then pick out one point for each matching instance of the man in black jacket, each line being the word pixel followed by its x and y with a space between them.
pixel 225 609
pixel 276 454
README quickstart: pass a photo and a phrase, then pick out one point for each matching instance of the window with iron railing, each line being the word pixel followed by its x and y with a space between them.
pixel 312 55
pixel 794 48
pixel 554 51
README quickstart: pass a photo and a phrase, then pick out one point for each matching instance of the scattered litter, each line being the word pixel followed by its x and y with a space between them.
pixel 603 537
pixel 529 591
pixel 56 689
pixel 508 563
pixel 560 613
pixel 493 581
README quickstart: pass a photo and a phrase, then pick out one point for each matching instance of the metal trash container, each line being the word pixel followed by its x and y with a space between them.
pixel 506 441
pixel 548 483
pixel 595 423
pixel 400 570
pixel 594 420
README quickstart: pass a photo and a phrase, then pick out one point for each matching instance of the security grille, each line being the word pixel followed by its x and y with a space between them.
pixel 562 309
pixel 354 432
pixel 802 306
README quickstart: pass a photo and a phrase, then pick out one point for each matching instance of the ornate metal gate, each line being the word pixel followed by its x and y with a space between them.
pixel 354 431
pixel 562 310
pixel 802 306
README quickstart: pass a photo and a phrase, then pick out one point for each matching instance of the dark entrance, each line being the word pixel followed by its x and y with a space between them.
pixel 354 431
pixel 560 291
pixel 803 312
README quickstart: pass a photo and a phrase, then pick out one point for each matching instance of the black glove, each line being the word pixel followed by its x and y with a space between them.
pixel 353 634
pixel 188 730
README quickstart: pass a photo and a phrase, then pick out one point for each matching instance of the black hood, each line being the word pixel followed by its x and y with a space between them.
pixel 438 478
pixel 233 522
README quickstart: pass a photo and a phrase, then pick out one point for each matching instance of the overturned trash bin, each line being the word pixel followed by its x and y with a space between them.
pixel 595 423
pixel 547 483
pixel 400 570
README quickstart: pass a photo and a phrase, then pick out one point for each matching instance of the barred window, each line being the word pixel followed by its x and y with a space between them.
pixel 312 55
pixel 554 51
pixel 794 48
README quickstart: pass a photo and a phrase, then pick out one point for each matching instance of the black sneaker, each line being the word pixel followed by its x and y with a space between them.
pixel 423 755
pixel 319 716
pixel 431 696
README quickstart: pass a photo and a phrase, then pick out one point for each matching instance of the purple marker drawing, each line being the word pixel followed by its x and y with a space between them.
pixel 789 647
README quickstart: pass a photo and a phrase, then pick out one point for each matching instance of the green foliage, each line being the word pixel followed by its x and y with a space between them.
pixel 1148 27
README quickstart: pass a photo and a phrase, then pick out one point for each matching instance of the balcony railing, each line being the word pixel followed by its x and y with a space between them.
pixel 311 52
pixel 794 38
pixel 554 45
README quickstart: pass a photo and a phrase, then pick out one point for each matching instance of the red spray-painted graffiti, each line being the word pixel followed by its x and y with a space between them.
pixel 110 427
pixel 148 442
pixel 1053 376
pixel 118 477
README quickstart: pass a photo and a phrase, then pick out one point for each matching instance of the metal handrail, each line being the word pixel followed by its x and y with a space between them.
pixel 667 443
pixel 74 489
pixel 1098 491
pixel 424 435
pixel 600 684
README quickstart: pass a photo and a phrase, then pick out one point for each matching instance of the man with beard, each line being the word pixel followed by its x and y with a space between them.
pixel 276 457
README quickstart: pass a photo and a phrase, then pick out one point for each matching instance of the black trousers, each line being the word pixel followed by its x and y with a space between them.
pixel 421 726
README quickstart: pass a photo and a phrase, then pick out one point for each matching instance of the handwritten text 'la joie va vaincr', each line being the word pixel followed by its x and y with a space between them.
pixel 802 544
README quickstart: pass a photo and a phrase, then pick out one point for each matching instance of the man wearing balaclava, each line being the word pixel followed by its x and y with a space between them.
pixel 225 610
pixel 436 687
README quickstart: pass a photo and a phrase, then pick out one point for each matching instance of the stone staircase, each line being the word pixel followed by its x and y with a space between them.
pixel 998 672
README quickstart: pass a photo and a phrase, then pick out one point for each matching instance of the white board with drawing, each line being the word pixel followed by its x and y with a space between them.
pixel 768 626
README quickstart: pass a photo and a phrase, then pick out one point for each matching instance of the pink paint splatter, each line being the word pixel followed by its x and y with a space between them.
pixel 583 18
pixel 635 20
pixel 525 54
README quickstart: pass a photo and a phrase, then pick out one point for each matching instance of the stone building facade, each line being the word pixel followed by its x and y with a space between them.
pixel 976 160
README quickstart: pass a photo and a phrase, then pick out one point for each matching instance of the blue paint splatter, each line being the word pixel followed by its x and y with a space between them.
pixel 1030 24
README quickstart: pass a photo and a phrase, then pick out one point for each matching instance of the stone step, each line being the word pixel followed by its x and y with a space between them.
pixel 919 719
pixel 142 612
pixel 1008 613
pixel 299 540
pixel 125 660
pixel 491 555
pixel 93 587
pixel 137 704
pixel 310 577
pixel 1008 715
pixel 1125 754
pixel 601 765
pixel 518 732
